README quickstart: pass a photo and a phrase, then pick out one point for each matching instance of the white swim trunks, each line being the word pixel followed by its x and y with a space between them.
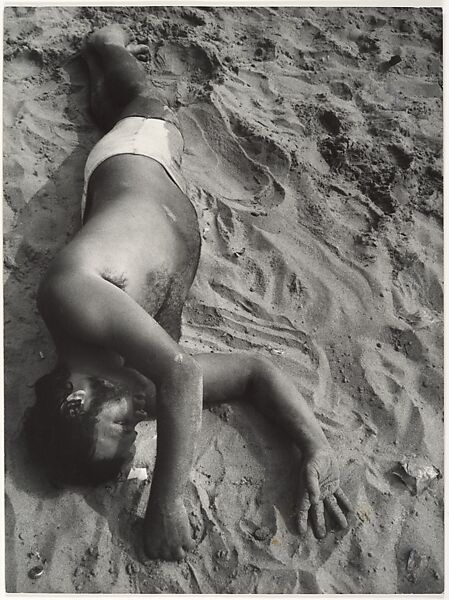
pixel 155 138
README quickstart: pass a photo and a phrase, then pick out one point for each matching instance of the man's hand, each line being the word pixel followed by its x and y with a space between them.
pixel 167 531
pixel 320 479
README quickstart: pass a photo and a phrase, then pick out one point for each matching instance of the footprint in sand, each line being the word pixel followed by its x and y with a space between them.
pixel 25 64
pixel 262 149
pixel 330 121
pixel 177 60
pixel 341 90
pixel 184 71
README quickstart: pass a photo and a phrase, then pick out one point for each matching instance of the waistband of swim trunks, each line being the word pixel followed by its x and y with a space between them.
pixel 157 111
pixel 173 122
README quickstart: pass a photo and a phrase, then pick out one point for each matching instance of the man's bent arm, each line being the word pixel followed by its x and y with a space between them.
pixel 234 377
pixel 95 311
pixel 179 404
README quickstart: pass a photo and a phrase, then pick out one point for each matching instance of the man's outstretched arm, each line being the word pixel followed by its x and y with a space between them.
pixel 90 309
pixel 254 379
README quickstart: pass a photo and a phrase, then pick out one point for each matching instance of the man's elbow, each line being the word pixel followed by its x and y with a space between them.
pixel 264 375
pixel 187 366
pixel 180 369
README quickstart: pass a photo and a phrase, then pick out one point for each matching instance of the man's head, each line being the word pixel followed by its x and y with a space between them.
pixel 84 435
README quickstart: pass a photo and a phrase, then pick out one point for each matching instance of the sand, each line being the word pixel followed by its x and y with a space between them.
pixel 314 159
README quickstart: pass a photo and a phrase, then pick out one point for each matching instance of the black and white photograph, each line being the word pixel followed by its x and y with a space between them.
pixel 223 299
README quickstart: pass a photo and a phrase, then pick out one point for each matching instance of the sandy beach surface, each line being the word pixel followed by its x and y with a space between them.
pixel 313 156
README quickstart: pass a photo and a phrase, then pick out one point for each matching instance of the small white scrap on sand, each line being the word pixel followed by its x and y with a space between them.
pixel 139 473
pixel 416 473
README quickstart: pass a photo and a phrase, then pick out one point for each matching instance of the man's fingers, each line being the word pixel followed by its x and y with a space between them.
pixel 179 553
pixel 304 504
pixel 151 553
pixel 343 500
pixel 165 554
pixel 188 545
pixel 318 519
pixel 331 504
pixel 302 521
pixel 303 513
pixel 313 485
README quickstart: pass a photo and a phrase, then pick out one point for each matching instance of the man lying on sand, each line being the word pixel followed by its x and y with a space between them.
pixel 112 300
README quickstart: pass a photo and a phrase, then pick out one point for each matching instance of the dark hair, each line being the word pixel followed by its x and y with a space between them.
pixel 64 446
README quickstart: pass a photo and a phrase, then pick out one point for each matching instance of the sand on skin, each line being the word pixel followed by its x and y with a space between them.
pixel 316 172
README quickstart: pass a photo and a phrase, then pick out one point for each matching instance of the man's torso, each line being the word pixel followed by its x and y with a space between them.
pixel 141 234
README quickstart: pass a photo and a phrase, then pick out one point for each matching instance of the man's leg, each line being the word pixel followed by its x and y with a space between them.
pixel 118 80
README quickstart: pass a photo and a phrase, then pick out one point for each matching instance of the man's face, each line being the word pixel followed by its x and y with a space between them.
pixel 118 409
pixel 115 428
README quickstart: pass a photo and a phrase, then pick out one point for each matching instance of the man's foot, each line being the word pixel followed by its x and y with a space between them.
pixel 116 35
pixel 140 51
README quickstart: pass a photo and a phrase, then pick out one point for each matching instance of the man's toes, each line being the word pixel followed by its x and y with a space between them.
pixel 138 49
